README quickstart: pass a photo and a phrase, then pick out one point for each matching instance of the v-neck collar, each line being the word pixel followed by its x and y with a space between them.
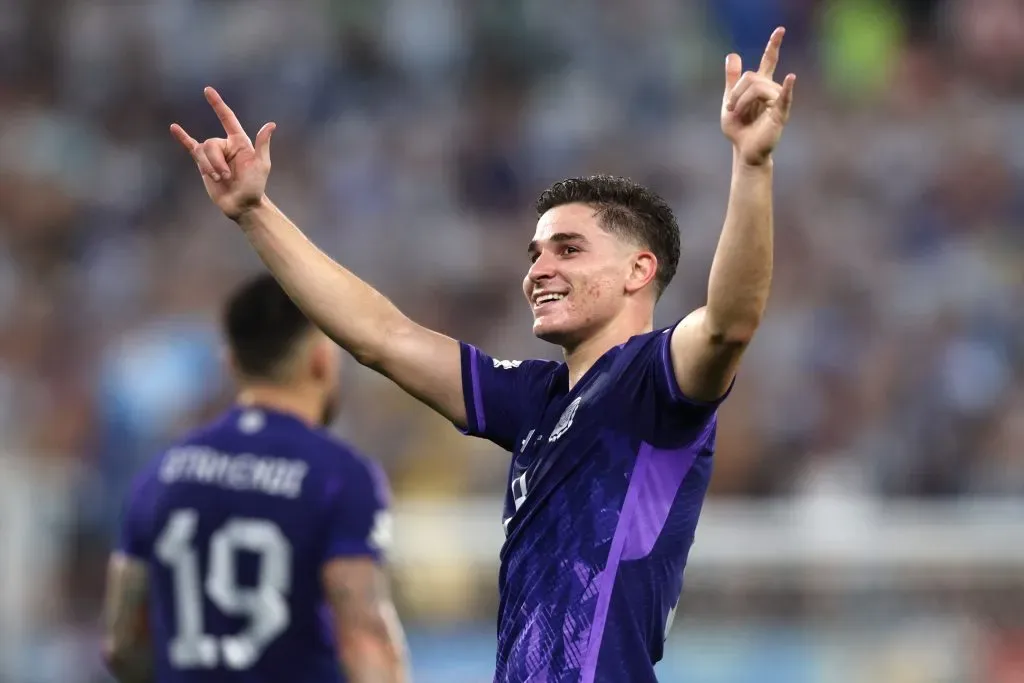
pixel 558 386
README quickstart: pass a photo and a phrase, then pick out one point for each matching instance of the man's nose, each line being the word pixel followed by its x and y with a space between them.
pixel 542 268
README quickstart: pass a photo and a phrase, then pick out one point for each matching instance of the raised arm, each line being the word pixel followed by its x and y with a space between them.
pixel 355 315
pixel 708 344
pixel 359 318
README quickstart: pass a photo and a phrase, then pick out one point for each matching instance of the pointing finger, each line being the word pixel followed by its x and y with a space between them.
pixel 223 112
pixel 771 53
pixel 733 69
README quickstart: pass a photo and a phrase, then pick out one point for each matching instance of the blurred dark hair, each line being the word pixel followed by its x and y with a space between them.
pixel 626 209
pixel 262 326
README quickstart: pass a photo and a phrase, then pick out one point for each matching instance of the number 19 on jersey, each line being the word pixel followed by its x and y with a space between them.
pixel 264 606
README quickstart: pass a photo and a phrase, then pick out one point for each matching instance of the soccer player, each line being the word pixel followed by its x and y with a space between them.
pixel 251 550
pixel 612 448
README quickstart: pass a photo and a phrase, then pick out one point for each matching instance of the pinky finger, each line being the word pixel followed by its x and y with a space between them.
pixel 195 149
pixel 186 140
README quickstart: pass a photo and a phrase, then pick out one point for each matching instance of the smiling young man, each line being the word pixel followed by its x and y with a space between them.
pixel 612 447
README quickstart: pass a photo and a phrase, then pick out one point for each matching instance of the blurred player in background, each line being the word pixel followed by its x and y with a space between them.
pixel 612 448
pixel 251 550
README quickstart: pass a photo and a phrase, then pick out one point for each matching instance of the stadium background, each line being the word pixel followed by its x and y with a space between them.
pixel 865 522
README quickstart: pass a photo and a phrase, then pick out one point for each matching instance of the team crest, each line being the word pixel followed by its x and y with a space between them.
pixel 507 364
pixel 565 421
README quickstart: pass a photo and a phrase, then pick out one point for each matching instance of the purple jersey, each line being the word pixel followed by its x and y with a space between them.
pixel 234 524
pixel 605 487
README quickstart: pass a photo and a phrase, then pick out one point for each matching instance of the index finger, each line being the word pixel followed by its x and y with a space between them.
pixel 223 112
pixel 771 53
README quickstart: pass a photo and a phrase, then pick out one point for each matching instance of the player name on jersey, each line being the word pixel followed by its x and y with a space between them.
pixel 238 472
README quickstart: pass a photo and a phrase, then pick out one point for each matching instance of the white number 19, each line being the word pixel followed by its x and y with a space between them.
pixel 264 605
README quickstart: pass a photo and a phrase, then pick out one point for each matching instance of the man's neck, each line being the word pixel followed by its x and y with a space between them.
pixel 281 401
pixel 581 357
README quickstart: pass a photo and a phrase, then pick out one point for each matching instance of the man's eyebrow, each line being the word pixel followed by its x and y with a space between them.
pixel 558 238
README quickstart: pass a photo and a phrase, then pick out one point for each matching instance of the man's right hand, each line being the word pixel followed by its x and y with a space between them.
pixel 234 169
pixel 360 319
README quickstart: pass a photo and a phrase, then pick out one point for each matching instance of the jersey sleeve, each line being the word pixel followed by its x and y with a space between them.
pixel 135 536
pixel 358 512
pixel 668 391
pixel 499 394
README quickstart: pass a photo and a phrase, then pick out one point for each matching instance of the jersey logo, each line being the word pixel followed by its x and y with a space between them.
pixel 251 421
pixel 565 421
pixel 506 364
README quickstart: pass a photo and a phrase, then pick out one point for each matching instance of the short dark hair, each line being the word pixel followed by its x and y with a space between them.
pixel 262 326
pixel 627 209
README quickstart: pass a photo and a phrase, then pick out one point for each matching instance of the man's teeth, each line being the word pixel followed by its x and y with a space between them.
pixel 544 298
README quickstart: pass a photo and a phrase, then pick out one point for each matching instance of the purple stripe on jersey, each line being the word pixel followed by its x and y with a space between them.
pixel 606 579
pixel 657 476
pixel 658 484
pixel 478 397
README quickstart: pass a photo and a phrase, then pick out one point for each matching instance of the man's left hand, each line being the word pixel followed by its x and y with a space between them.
pixel 755 108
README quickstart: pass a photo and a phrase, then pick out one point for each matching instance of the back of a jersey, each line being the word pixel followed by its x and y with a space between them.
pixel 235 524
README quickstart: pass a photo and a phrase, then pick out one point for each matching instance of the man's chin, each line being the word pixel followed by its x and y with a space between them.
pixel 553 333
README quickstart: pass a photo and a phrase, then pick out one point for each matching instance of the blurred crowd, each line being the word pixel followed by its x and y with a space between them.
pixel 413 136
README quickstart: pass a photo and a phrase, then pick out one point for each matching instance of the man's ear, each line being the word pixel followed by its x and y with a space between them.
pixel 643 270
pixel 320 358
